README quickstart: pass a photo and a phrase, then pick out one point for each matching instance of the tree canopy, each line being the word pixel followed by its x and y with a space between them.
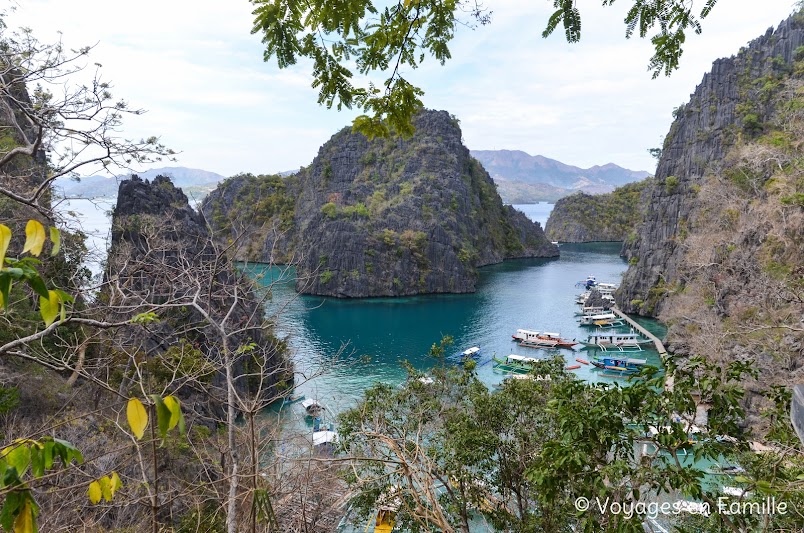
pixel 346 36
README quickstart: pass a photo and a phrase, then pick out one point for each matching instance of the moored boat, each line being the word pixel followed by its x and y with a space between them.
pixel 614 339
pixel 312 407
pixel 623 365
pixel 545 339
pixel 515 363
pixel 471 353
pixel 603 320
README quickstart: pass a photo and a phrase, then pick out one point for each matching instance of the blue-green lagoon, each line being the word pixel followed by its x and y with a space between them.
pixel 354 343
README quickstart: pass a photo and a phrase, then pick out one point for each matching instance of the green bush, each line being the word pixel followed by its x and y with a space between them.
pixel 326 276
pixel 330 210
pixel 671 184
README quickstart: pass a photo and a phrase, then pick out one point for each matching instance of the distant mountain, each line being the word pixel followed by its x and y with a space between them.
pixel 507 166
pixel 192 180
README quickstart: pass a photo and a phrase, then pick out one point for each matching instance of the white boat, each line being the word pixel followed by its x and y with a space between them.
pixel 606 340
pixel 585 311
pixel 324 437
pixel 596 320
pixel 312 407
pixel 471 352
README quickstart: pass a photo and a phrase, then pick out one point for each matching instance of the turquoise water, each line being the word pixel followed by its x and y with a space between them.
pixel 354 343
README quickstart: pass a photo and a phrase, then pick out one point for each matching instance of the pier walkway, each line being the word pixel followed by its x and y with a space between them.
pixel 659 346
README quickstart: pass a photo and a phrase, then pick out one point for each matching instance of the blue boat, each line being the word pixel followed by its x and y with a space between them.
pixel 471 353
pixel 623 365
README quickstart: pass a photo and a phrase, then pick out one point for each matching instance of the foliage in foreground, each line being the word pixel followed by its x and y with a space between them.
pixel 451 454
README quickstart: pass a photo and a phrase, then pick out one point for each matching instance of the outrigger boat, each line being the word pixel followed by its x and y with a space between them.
pixel 586 311
pixel 608 341
pixel 544 339
pixel 603 320
pixel 471 353
pixel 515 363
pixel 312 407
pixel 623 365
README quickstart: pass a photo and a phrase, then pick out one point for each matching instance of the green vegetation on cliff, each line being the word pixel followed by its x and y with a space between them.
pixel 602 217
pixel 381 217
pixel 719 254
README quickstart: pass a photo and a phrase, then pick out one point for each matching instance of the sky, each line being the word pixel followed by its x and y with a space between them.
pixel 199 72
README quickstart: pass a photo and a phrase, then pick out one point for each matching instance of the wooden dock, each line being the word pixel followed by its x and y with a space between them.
pixel 656 342
pixel 668 382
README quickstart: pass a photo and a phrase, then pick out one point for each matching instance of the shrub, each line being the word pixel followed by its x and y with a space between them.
pixel 330 210
pixel 326 276
pixel 671 184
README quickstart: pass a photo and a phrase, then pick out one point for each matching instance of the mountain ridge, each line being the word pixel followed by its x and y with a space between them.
pixel 550 179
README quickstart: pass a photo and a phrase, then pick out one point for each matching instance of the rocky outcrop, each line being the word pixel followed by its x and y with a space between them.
pixel 382 217
pixel 603 217
pixel 162 254
pixel 719 255
pixel 732 102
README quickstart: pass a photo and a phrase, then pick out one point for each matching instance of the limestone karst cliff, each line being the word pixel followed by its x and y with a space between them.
pixel 380 217
pixel 601 217
pixel 731 105
pixel 719 255
pixel 162 254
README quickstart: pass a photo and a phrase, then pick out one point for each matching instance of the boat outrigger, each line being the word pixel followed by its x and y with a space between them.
pixel 544 339
pixel 623 365
pixel 515 363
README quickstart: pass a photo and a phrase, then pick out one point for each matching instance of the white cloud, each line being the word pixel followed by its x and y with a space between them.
pixel 197 69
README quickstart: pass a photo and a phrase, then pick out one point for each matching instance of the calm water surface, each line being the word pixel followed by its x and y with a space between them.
pixel 362 341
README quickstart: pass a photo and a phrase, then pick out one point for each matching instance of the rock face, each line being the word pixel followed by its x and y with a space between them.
pixel 604 217
pixel 162 253
pixel 731 102
pixel 385 217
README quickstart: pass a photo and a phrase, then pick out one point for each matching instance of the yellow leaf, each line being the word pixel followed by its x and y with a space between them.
pixel 95 492
pixel 137 417
pixel 55 238
pixel 106 488
pixel 5 239
pixel 115 483
pixel 49 307
pixel 175 411
pixel 34 237
pixel 25 520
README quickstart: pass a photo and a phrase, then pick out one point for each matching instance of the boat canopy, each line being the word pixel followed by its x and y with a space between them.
pixel 521 359
pixel 472 351
pixel 547 334
pixel 526 332
pixel 324 437
pixel 311 403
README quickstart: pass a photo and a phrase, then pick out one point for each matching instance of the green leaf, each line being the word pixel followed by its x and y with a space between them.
pixel 162 415
pixel 49 308
pixel 67 452
pixel 137 417
pixel 18 456
pixel 5 240
pixel 55 238
pixel 95 492
pixel 172 403
pixel 34 237
pixel 36 283
pixel 5 288
pixel 10 509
